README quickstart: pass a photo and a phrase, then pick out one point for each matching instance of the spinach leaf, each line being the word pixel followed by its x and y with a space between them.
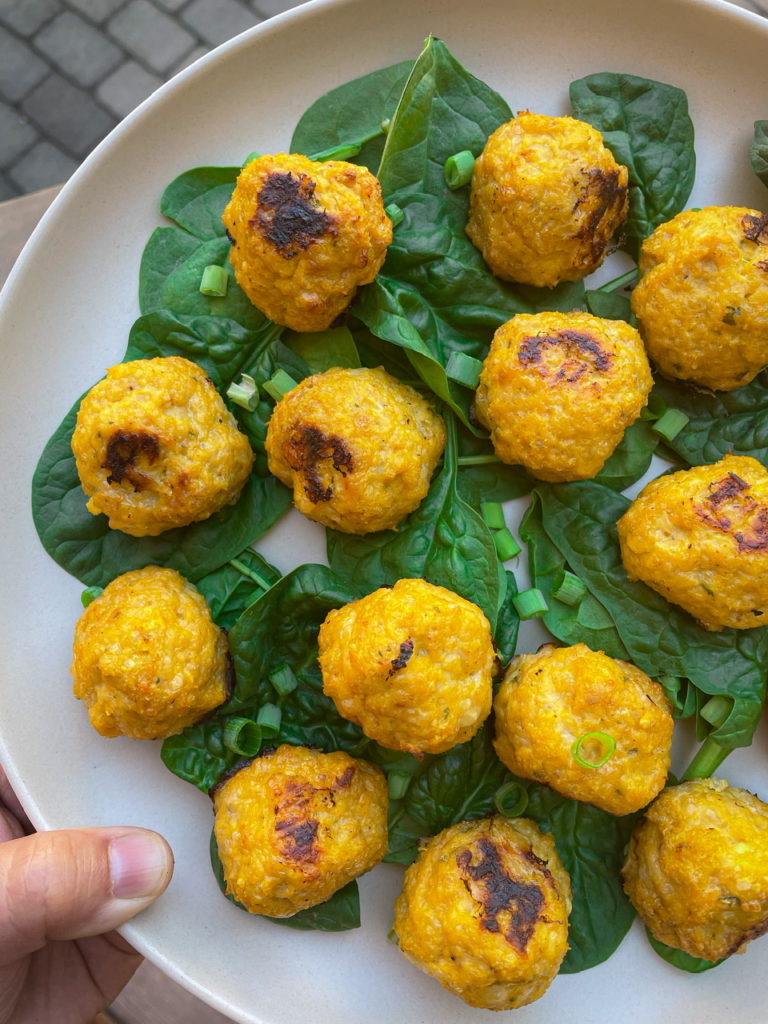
pixel 353 113
pixel 444 540
pixel 198 754
pixel 578 520
pixel 608 305
pixel 435 295
pixel 647 127
pixel 508 624
pixel 632 458
pixel 323 350
pixel 719 422
pixel 234 586
pixel 196 199
pixel 338 914
pixel 680 959
pixel 482 476
pixel 758 151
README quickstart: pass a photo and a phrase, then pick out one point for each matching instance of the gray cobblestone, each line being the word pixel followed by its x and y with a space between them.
pixel 125 88
pixel 269 8
pixel 7 191
pixel 199 51
pixel 150 35
pixel 97 10
pixel 171 5
pixel 44 165
pixel 20 69
pixel 26 16
pixel 218 20
pixel 67 114
pixel 78 48
pixel 16 134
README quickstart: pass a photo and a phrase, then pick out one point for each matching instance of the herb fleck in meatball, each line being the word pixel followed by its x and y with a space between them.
pixel 156 447
pixel 702 300
pixel 484 910
pixel 551 700
pixel 148 658
pixel 697 868
pixel 546 198
pixel 557 391
pixel 295 825
pixel 305 236
pixel 700 538
pixel 357 447
pixel 411 665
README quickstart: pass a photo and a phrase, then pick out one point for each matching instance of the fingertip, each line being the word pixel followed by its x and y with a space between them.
pixel 140 864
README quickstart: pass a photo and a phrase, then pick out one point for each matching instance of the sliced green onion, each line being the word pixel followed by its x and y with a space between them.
pixel 670 424
pixel 242 736
pixel 215 281
pixel 269 718
pixel 458 169
pixel 569 588
pixel 90 594
pixel 511 799
pixel 251 156
pixel 607 746
pixel 493 514
pixel 244 392
pixel 463 369
pixel 398 783
pixel 279 385
pixel 395 214
pixel 283 680
pixel 716 710
pixel 506 545
pixel 530 604
pixel 386 124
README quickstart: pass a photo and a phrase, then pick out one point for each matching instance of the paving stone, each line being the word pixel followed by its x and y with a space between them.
pixel 16 134
pixel 98 10
pixel 269 8
pixel 151 36
pixel 67 114
pixel 44 165
pixel 125 88
pixel 218 20
pixel 78 48
pixel 7 190
pixel 20 69
pixel 26 16
pixel 199 51
pixel 171 5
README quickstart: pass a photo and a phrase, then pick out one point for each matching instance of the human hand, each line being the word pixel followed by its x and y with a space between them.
pixel 61 894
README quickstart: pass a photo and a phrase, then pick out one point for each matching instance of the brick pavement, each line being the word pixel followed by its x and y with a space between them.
pixel 70 70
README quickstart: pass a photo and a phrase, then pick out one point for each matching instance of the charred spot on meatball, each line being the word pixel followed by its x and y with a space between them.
pixel 288 214
pixel 755 227
pixel 123 449
pixel 306 448
pixel 580 351
pixel 403 657
pixel 605 195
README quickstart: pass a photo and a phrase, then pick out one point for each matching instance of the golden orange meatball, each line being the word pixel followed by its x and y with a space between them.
pixel 295 825
pixel 357 447
pixel 411 665
pixel 305 236
pixel 557 391
pixel 702 299
pixel 148 658
pixel 156 447
pixel 484 910
pixel 697 868
pixel 545 200
pixel 700 538
pixel 559 712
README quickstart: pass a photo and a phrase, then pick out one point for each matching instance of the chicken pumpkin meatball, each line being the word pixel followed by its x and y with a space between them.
pixel 484 910
pixel 148 658
pixel 546 198
pixel 357 447
pixel 593 728
pixel 697 868
pixel 156 447
pixel 304 236
pixel 557 391
pixel 702 299
pixel 411 665
pixel 295 825
pixel 699 537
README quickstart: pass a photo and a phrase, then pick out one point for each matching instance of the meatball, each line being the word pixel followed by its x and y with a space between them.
pixel 411 664
pixel 550 701
pixel 557 391
pixel 156 447
pixel 700 538
pixel 148 658
pixel 697 868
pixel 702 299
pixel 357 447
pixel 295 825
pixel 304 236
pixel 484 910
pixel 546 197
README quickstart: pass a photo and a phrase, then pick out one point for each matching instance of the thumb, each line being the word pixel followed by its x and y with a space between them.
pixel 76 882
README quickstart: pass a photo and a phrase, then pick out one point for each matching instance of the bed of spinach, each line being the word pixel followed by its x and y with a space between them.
pixel 758 151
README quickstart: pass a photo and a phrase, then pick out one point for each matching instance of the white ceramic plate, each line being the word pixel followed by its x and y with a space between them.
pixel 64 318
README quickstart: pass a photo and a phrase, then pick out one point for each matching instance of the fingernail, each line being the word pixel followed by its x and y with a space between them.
pixel 139 864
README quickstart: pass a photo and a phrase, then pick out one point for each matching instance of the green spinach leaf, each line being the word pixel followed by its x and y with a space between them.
pixel 680 959
pixel 234 586
pixel 632 458
pixel 196 199
pixel 758 151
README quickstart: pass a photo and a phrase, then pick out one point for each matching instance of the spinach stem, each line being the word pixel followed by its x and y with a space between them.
pixel 708 759
pixel 618 282
pixel 477 460
pixel 243 568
